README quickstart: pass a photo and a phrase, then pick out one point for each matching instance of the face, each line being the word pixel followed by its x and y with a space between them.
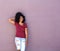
pixel 21 18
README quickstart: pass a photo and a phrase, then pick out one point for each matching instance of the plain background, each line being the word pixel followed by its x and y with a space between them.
pixel 43 19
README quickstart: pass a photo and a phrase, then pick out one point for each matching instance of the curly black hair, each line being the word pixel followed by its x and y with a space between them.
pixel 17 17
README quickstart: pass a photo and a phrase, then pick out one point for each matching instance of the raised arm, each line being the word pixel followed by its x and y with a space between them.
pixel 11 20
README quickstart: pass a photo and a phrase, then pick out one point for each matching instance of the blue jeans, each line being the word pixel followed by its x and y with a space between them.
pixel 20 43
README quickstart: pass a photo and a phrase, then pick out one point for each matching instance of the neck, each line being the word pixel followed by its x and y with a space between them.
pixel 20 22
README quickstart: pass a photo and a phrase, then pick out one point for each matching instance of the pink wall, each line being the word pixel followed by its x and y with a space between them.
pixel 43 18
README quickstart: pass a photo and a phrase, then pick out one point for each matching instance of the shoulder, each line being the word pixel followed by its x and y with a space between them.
pixel 16 23
pixel 25 24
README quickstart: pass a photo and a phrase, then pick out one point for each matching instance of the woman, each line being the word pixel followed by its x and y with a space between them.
pixel 21 31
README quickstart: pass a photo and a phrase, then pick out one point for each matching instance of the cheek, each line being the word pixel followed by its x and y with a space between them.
pixel 21 19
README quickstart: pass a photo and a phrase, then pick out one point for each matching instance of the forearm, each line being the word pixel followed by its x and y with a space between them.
pixel 11 19
pixel 26 37
pixel 26 32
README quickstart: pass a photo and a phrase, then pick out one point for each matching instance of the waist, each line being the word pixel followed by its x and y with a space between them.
pixel 20 35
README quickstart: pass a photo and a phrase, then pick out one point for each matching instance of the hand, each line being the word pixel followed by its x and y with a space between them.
pixel 26 43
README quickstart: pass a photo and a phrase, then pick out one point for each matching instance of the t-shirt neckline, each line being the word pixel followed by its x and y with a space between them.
pixel 21 25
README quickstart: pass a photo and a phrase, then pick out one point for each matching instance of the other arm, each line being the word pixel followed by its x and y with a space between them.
pixel 26 32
